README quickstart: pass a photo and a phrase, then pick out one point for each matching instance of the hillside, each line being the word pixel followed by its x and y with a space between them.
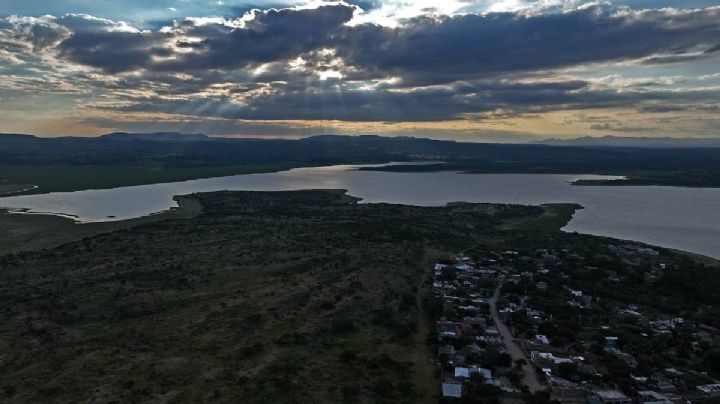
pixel 264 297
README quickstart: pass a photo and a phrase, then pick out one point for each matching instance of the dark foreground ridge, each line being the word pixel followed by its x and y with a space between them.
pixel 273 297
pixel 264 297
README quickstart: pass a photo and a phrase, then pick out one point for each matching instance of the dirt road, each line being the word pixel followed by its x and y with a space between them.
pixel 529 377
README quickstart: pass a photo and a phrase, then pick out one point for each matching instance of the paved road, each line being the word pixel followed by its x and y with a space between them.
pixel 529 377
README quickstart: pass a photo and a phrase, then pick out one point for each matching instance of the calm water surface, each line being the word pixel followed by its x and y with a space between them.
pixel 683 218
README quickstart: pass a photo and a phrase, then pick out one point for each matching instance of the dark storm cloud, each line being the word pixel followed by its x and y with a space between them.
pixel 272 35
pixel 461 100
pixel 469 45
pixel 422 49
pixel 424 69
pixel 426 104
pixel 112 51
pixel 500 43
pixel 17 34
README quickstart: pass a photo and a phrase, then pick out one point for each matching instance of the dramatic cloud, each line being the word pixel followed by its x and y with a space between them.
pixel 373 61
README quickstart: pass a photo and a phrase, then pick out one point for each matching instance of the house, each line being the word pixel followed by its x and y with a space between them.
pixel 630 312
pixel 708 329
pixel 491 331
pixel 632 249
pixel 541 339
pixel 534 315
pixel 448 352
pixel 486 273
pixel 611 342
pixel 639 379
pixel 463 373
pixel 504 314
pixel 575 293
pixel 585 301
pixel 473 323
pixel 629 360
pixel 541 359
pixel 648 251
pixel 485 373
pixel 452 389
pixel 663 384
pixel 549 258
pixel 711 390
pixel 547 360
pixel 448 329
pixel 468 372
pixel 463 267
pixel 609 397
pixel 569 394
pixel 664 326
pixel 588 370
pixel 653 397
pixel 474 349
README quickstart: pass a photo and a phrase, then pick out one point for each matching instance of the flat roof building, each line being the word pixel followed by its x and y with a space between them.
pixel 609 397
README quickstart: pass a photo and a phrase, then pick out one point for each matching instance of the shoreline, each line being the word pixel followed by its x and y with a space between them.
pixel 18 192
pixel 179 198
pixel 232 172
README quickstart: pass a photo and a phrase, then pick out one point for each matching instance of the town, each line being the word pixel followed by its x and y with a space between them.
pixel 542 325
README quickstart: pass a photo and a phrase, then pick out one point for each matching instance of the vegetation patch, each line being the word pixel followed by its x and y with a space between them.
pixel 28 232
pixel 555 217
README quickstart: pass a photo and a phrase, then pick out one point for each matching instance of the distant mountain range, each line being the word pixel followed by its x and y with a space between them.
pixel 618 141
pixel 158 136
pixel 587 141
pixel 170 149
pixel 123 136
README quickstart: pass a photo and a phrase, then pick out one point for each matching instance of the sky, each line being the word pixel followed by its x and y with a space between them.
pixel 470 70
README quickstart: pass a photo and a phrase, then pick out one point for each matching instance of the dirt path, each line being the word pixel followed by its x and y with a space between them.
pixel 427 384
pixel 529 377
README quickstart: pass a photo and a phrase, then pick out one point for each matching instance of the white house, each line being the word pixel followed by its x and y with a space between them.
pixel 462 373
pixel 452 390
pixel 542 339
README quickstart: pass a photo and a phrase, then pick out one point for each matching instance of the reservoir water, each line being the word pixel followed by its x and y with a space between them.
pixel 683 218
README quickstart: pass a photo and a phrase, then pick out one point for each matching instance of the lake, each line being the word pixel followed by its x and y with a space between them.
pixel 682 218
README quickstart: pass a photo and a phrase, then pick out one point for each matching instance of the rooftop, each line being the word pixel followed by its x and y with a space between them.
pixel 611 394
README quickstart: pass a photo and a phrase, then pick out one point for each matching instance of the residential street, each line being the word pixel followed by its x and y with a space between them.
pixel 530 377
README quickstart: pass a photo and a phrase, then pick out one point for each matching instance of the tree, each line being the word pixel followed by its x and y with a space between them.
pixel 567 370
pixel 712 361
